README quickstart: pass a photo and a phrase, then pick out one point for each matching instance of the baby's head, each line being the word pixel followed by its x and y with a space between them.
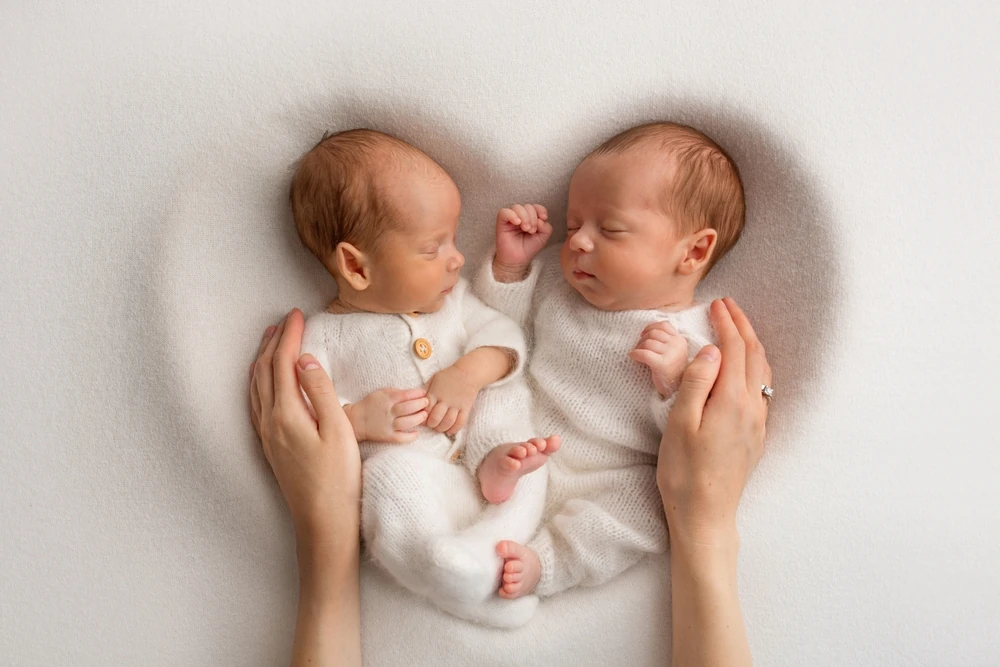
pixel 650 212
pixel 381 216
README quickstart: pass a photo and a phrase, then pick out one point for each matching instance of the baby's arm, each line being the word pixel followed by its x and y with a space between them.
pixel 494 351
pixel 452 391
pixel 388 415
pixel 507 279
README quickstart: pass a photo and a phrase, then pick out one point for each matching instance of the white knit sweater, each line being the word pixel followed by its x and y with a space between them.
pixel 603 512
pixel 413 495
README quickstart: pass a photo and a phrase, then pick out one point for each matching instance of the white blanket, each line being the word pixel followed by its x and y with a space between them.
pixel 147 243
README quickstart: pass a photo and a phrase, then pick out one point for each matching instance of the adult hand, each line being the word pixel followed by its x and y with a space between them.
pixel 318 467
pixel 715 432
pixel 315 459
pixel 713 440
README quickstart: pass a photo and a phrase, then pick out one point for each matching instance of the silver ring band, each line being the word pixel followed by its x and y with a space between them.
pixel 768 392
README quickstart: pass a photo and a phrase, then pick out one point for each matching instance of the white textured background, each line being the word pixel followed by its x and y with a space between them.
pixel 144 153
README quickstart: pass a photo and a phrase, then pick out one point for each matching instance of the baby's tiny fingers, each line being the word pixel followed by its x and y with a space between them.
pixel 508 216
pixel 543 213
pixel 660 335
pixel 409 422
pixel 644 357
pixel 409 407
pixel 661 326
pixel 521 213
pixel 403 438
pixel 463 417
pixel 399 395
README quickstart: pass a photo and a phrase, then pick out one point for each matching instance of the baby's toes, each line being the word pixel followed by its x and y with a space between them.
pixel 513 567
pixel 518 452
pixel 513 577
pixel 511 464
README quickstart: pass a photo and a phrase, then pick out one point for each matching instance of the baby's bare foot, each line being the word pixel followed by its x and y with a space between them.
pixel 521 570
pixel 502 467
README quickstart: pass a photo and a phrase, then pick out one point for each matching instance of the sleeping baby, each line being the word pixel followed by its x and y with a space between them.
pixel 613 323
pixel 428 374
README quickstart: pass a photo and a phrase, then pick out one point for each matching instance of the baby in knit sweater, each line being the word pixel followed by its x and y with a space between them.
pixel 416 358
pixel 612 323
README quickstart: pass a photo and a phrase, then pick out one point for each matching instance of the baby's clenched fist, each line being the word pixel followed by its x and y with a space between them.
pixel 522 231
pixel 665 352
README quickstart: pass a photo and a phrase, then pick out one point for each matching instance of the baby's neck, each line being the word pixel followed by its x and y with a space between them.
pixel 668 303
pixel 346 303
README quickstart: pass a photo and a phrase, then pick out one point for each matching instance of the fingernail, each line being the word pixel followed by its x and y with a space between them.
pixel 307 364
pixel 709 352
pixel 270 331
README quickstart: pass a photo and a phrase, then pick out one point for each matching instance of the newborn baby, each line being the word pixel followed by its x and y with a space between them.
pixel 612 321
pixel 410 349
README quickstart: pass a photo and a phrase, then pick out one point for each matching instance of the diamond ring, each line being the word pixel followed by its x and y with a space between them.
pixel 767 391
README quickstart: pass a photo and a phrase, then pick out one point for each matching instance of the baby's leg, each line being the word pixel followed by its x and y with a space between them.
pixel 506 464
pixel 466 567
pixel 408 498
pixel 598 536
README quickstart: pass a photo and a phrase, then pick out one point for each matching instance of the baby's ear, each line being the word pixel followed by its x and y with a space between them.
pixel 352 265
pixel 700 246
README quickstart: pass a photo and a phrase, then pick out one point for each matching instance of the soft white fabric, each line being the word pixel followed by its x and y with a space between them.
pixel 147 243
pixel 414 495
pixel 603 511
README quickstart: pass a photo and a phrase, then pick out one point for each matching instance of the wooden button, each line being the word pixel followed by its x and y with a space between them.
pixel 457 456
pixel 422 347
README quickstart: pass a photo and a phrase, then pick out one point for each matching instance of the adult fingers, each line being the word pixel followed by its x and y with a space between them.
pixel 696 385
pixel 264 371
pixel 732 376
pixel 268 332
pixel 756 359
pixel 286 383
pixel 321 392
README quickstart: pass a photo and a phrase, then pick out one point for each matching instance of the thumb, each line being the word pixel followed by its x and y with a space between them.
pixel 319 389
pixel 697 383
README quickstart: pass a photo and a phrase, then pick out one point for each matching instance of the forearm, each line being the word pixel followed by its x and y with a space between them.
pixel 328 625
pixel 485 365
pixel 708 624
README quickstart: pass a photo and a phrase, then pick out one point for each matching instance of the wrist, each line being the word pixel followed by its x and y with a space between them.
pixel 355 415
pixel 327 556
pixel 509 273
pixel 702 537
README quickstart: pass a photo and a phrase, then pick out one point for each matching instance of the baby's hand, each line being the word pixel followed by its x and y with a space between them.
pixel 522 231
pixel 665 352
pixel 389 415
pixel 451 393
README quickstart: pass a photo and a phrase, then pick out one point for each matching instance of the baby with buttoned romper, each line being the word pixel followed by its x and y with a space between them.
pixel 612 323
pixel 430 378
